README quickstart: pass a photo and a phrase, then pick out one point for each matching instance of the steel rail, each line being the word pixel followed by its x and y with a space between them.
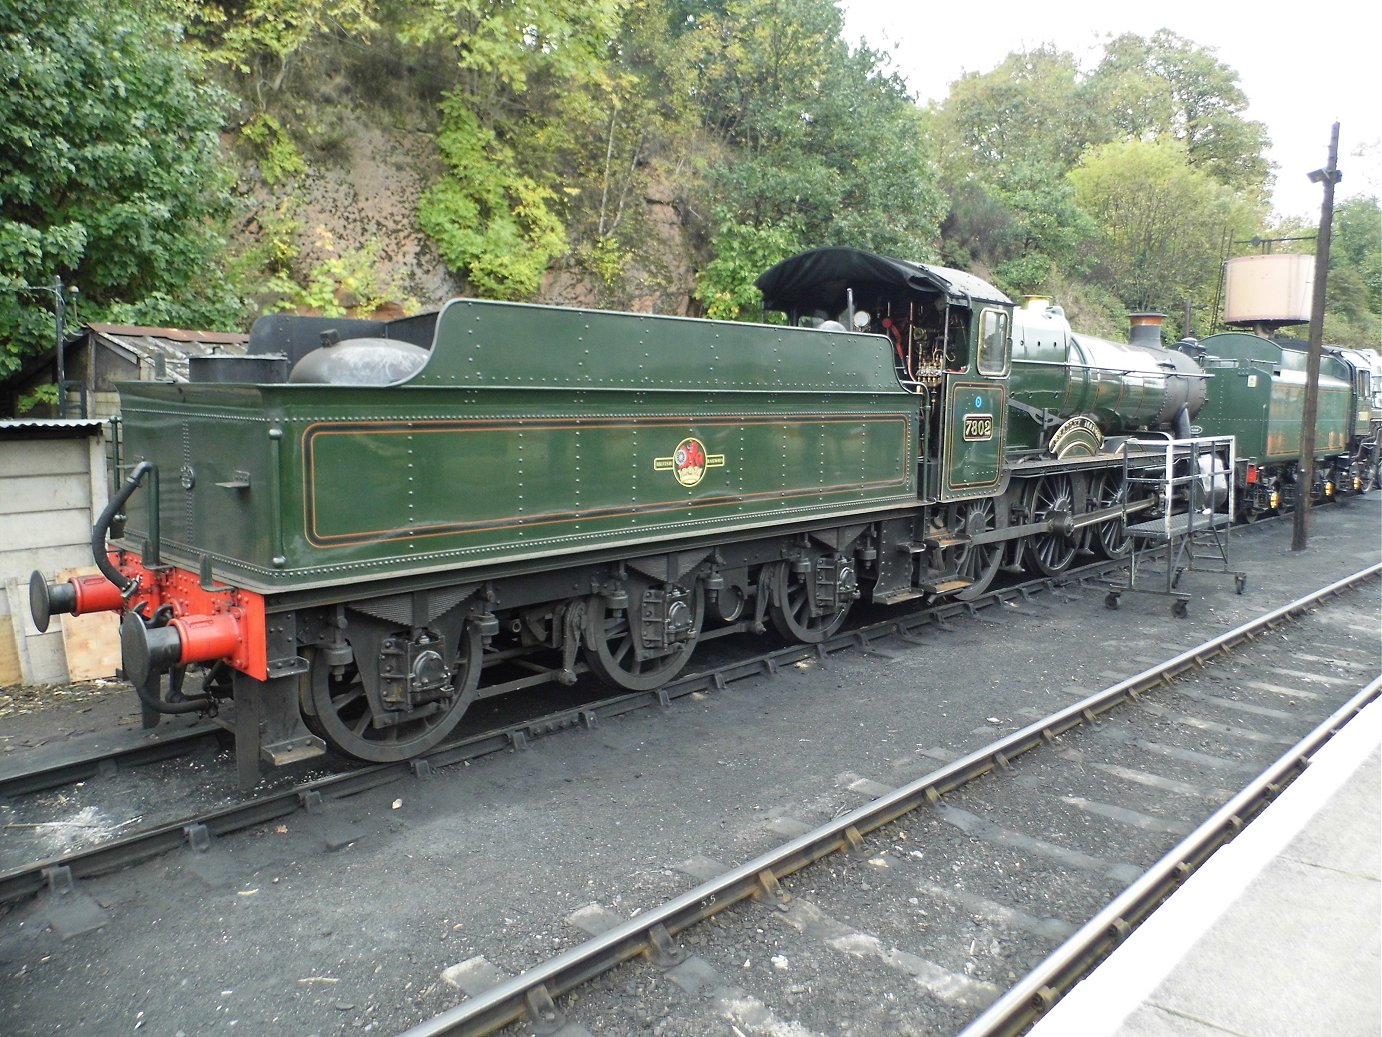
pixel 650 933
pixel 163 746
pixel 1041 988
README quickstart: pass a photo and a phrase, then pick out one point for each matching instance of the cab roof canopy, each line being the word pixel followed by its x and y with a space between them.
pixel 819 279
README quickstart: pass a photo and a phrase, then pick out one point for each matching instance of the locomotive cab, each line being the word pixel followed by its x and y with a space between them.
pixel 949 334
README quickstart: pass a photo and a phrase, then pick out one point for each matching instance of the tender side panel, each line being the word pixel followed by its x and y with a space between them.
pixel 488 487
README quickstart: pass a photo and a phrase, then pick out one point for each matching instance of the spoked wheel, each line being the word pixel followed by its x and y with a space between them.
pixel 790 606
pixel 1371 477
pixel 1052 552
pixel 1108 490
pixel 664 622
pixel 346 721
pixel 976 563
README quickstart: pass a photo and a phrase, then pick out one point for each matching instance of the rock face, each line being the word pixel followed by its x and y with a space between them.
pixel 358 206
pixel 372 197
pixel 362 199
pixel 657 277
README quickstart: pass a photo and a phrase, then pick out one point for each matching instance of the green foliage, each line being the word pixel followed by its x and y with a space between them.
pixel 488 218
pixel 1028 109
pixel 259 39
pixel 606 258
pixel 44 397
pixel 1169 87
pixel 506 46
pixel 1008 137
pixel 340 285
pixel 827 147
pixel 110 169
pixel 1353 308
pixel 279 158
pixel 1162 224
pixel 742 252
pixel 495 216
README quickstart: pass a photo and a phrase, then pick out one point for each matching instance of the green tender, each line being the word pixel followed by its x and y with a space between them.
pixel 1257 394
pixel 530 432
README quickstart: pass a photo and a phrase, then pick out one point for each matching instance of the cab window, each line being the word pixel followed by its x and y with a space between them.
pixel 993 342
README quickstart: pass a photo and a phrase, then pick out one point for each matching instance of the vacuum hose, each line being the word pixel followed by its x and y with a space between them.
pixel 102 527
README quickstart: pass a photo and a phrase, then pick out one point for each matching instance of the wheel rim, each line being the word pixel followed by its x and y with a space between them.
pixel 344 716
pixel 790 607
pixel 609 642
pixel 1109 491
pixel 977 563
pixel 1051 553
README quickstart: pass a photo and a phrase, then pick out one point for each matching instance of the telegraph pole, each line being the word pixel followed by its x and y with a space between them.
pixel 58 290
pixel 1329 176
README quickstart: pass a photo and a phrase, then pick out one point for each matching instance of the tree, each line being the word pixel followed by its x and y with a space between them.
pixel 1008 138
pixel 494 214
pixel 1168 86
pixel 1162 223
pixel 1029 108
pixel 258 39
pixel 111 174
pixel 1353 309
pixel 823 145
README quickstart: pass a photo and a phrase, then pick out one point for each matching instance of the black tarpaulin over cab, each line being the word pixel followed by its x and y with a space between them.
pixel 818 279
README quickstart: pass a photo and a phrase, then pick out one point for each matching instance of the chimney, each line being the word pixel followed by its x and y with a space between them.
pixel 1145 328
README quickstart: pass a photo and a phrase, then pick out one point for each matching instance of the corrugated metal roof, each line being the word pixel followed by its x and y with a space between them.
pixel 87 425
pixel 168 349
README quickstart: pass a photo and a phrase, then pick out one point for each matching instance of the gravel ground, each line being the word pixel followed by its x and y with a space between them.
pixel 344 921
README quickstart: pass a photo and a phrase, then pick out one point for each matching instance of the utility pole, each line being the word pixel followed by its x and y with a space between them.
pixel 60 308
pixel 59 292
pixel 1329 176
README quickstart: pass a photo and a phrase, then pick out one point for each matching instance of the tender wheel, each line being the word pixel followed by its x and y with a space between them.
pixel 1108 490
pixel 977 564
pixel 1050 553
pixel 790 606
pixel 342 715
pixel 664 621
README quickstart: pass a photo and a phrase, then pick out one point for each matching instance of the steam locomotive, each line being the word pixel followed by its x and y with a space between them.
pixel 361 528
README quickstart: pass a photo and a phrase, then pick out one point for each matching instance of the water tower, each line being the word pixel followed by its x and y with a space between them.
pixel 1264 294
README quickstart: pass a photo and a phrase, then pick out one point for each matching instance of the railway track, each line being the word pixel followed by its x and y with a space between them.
pixel 152 831
pixel 918 910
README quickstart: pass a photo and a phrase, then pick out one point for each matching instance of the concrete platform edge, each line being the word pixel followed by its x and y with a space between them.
pixel 1102 1003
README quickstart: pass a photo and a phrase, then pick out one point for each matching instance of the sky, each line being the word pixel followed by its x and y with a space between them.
pixel 1302 69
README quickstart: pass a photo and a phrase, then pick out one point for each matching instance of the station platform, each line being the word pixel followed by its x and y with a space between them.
pixel 1279 934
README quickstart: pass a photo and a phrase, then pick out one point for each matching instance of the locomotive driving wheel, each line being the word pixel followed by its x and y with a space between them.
pixel 1109 490
pixel 790 605
pixel 1048 497
pixel 343 717
pixel 642 641
pixel 977 563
